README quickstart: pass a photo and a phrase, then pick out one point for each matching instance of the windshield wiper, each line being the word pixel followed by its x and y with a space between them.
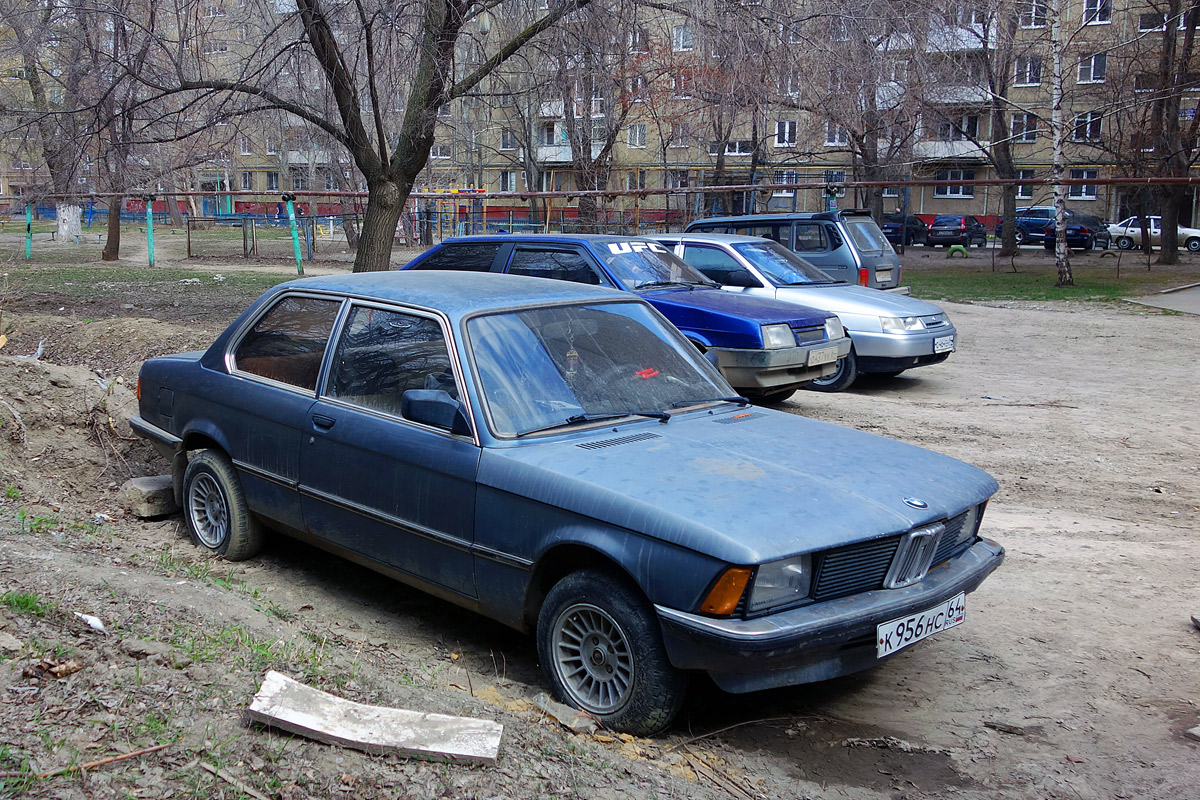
pixel 656 284
pixel 595 416
pixel 738 399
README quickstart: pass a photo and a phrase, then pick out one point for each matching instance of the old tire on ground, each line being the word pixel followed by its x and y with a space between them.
pixel 1193 245
pixel 1124 242
pixel 841 378
pixel 601 648
pixel 214 508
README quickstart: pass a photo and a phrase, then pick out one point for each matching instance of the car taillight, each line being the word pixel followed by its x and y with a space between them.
pixel 864 278
pixel 962 226
pixel 138 392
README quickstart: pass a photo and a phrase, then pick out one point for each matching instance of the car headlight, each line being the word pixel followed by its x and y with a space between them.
pixel 780 583
pixel 778 336
pixel 834 329
pixel 901 324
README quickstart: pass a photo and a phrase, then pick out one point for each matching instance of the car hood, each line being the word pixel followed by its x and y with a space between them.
pixel 848 299
pixel 714 305
pixel 741 485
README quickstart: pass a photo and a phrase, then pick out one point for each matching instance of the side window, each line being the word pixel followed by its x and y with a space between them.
pixel 563 265
pixel 775 231
pixel 382 354
pixel 719 266
pixel 810 237
pixel 288 343
pixel 462 257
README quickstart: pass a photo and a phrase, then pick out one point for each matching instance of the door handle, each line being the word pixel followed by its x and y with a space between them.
pixel 323 422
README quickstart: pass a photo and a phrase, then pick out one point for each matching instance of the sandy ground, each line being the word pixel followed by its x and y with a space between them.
pixel 1076 675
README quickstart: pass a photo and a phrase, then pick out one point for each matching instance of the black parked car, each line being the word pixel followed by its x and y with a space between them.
pixel 901 229
pixel 957 229
pixel 1084 232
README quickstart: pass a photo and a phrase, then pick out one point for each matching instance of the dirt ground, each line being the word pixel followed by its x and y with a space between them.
pixel 1076 675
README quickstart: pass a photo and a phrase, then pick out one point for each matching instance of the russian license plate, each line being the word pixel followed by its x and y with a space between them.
pixel 826 355
pixel 883 275
pixel 900 633
pixel 943 344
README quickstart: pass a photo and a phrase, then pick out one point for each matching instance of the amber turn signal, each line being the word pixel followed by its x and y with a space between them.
pixel 138 392
pixel 724 596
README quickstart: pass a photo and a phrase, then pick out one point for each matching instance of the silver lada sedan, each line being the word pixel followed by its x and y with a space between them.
pixel 889 332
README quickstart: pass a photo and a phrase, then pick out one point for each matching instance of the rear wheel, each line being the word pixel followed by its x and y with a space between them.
pixel 215 509
pixel 1193 245
pixel 1020 237
pixel 601 648
pixel 841 378
pixel 1124 242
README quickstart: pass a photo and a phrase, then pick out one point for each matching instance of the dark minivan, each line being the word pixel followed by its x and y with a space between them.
pixel 846 244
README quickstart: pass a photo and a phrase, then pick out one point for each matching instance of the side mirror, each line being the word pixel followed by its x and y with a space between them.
pixel 435 407
pixel 741 278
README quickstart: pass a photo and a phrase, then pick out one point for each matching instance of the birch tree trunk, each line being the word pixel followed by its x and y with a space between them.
pixel 1062 259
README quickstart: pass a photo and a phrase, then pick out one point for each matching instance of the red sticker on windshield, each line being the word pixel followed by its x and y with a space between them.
pixel 647 373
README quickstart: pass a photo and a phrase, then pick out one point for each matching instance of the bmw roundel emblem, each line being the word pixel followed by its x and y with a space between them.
pixel 915 502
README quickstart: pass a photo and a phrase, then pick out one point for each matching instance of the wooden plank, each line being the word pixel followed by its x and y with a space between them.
pixel 287 704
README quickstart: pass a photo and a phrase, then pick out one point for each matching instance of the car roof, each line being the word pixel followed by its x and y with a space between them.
pixel 456 293
pixel 784 217
pixel 704 236
pixel 568 238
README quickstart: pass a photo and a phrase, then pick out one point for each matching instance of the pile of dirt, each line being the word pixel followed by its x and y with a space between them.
pixel 114 347
pixel 65 441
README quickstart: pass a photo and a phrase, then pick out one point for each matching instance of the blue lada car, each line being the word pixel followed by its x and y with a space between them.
pixel 561 459
pixel 765 349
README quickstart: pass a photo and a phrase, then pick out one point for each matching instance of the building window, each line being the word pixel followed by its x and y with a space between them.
pixel 1086 191
pixel 244 145
pixel 1033 13
pixel 1097 12
pixel 1152 22
pixel 954 175
pixel 215 47
pixel 299 180
pixel 1024 127
pixel 1147 82
pixel 639 41
pixel 1093 68
pixel 1029 71
pixel 1025 191
pixel 508 180
pixel 836 135
pixel 272 181
pixel 443 110
pixel 684 84
pixel 546 135
pixel 1087 126
pixel 508 139
pixel 891 191
pixel 734 147
pixel 272 147
pixel 214 11
pixel 789 84
pixel 247 181
pixel 635 179
pixel 785 176
pixel 637 136
pixel 440 151
pixel 959 129
pixel 636 84
pixel 679 136
pixel 785 133
pixel 682 40
pixel 677 179
pixel 837 177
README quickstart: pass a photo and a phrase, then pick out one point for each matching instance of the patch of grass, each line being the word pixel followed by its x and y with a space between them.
pixel 25 602
pixel 12 492
pixel 961 282
pixel 13 761
pixel 252 652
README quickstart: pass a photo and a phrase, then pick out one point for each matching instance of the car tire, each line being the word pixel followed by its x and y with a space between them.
pixel 841 378
pixel 889 374
pixel 771 398
pixel 1020 234
pixel 597 610
pixel 1193 245
pixel 215 510
pixel 1124 242
pixel 982 242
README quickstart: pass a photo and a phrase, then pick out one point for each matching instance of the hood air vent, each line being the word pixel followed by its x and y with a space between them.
pixel 634 437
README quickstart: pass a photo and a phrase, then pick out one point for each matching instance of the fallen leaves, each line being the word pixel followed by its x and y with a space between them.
pixel 51 666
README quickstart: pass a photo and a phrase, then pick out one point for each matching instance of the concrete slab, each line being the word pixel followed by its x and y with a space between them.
pixel 1185 299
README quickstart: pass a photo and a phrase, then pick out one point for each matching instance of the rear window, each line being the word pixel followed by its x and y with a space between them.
pixel 948 221
pixel 461 257
pixel 288 343
pixel 866 235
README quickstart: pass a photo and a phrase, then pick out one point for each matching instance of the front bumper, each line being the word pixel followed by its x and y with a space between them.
pixel 815 642
pixel 888 352
pixel 766 370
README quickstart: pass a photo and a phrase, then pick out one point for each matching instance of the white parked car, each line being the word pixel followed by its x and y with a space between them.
pixel 1127 234
pixel 889 333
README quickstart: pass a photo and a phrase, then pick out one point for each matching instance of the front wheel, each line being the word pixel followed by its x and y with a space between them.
pixel 1193 245
pixel 601 648
pixel 1020 237
pixel 1124 242
pixel 841 378
pixel 215 509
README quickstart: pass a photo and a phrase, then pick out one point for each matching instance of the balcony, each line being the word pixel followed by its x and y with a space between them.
pixel 961 150
pixel 309 156
pixel 561 153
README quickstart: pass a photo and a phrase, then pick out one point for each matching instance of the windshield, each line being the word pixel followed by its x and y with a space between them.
pixel 866 234
pixel 781 266
pixel 545 368
pixel 645 265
